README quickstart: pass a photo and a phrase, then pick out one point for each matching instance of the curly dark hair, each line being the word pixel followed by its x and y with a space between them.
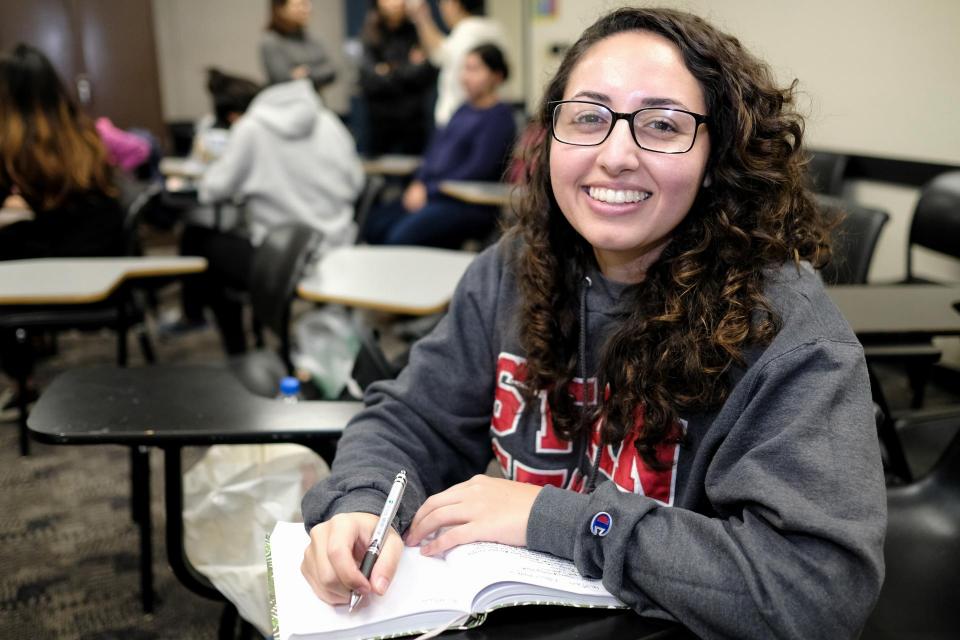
pixel 702 304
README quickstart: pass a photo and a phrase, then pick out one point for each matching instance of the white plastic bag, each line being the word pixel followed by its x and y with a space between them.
pixel 327 347
pixel 233 496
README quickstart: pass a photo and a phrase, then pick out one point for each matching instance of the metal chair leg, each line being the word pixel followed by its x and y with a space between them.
pixel 140 508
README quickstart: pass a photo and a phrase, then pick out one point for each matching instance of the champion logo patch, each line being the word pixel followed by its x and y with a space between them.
pixel 600 525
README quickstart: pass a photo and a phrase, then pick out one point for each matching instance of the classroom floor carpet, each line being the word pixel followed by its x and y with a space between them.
pixel 69 550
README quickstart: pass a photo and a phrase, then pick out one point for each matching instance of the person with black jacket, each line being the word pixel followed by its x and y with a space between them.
pixel 396 80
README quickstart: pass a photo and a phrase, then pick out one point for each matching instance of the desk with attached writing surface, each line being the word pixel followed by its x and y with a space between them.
pixel 405 280
pixel 171 407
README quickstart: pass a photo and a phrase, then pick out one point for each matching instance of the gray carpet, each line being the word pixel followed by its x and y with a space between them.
pixel 70 551
pixel 69 566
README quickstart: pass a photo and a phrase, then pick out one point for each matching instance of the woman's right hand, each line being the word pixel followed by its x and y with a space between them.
pixel 331 563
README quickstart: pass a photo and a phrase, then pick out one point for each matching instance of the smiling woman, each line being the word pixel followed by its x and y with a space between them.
pixel 672 399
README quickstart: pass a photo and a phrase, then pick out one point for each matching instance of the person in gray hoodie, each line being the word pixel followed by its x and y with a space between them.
pixel 672 399
pixel 288 158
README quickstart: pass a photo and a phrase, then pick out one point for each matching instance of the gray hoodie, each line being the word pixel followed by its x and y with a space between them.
pixel 290 159
pixel 768 523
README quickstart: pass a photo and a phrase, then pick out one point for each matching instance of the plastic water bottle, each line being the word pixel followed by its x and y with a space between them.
pixel 289 389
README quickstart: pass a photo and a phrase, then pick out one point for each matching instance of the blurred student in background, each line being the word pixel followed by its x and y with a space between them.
pixel 288 52
pixel 231 97
pixel 125 149
pixel 53 167
pixel 396 79
pixel 56 185
pixel 288 158
pixel 468 29
pixel 473 146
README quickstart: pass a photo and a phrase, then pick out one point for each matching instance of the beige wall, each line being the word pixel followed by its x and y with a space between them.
pixel 195 34
pixel 864 65
pixel 510 15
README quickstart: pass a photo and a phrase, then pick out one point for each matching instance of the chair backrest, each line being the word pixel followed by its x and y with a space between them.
pixel 369 196
pixel 135 212
pixel 936 218
pixel 278 264
pixel 854 240
pixel 826 171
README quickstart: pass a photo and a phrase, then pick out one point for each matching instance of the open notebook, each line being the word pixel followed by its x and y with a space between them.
pixel 426 593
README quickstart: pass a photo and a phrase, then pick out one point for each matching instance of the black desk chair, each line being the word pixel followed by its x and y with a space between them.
pixel 935 226
pixel 936 220
pixel 371 194
pixel 854 242
pixel 278 265
pixel 827 170
pixel 922 548
pixel 120 312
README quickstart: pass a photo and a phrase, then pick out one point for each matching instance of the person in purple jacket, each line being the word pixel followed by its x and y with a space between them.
pixel 474 145
pixel 649 359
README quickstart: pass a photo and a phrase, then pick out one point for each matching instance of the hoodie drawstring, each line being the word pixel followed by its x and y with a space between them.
pixel 582 362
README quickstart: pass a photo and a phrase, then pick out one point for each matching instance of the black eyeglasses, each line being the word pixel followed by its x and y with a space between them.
pixel 587 124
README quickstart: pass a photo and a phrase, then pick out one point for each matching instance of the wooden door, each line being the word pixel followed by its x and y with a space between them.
pixel 120 61
pixel 47 25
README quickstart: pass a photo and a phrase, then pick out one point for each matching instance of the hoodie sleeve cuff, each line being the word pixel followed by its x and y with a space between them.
pixel 359 500
pixel 549 526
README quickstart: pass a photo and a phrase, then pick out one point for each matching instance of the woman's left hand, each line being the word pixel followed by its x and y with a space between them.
pixel 480 509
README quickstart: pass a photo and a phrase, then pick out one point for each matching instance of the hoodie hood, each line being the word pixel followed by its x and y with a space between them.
pixel 289 109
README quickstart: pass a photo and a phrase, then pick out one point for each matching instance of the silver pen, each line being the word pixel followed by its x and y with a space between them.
pixel 379 533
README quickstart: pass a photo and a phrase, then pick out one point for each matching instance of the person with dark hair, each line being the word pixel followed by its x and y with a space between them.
pixel 56 185
pixel 650 351
pixel 54 165
pixel 475 145
pixel 468 28
pixel 288 52
pixel 396 80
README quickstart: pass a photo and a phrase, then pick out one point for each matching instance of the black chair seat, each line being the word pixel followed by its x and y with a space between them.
pixel 922 547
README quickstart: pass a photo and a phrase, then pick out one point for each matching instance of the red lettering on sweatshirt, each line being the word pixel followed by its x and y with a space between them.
pixel 507 401
pixel 503 458
pixel 620 464
pixel 624 466
pixel 541 477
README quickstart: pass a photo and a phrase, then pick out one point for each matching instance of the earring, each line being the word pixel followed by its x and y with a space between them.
pixel 707 181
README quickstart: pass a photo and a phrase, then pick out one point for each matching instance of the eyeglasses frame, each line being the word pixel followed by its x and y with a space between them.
pixel 699 118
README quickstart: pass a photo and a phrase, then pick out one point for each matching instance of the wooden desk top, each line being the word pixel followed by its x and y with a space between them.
pixel 176 405
pixel 905 309
pixel 408 280
pixel 82 280
pixel 392 165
